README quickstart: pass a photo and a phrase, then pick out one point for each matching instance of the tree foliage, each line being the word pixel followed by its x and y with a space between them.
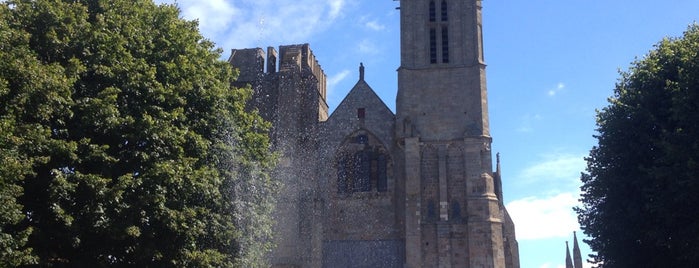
pixel 122 142
pixel 640 189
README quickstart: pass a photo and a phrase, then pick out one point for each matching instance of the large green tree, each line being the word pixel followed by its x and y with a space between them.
pixel 122 142
pixel 641 188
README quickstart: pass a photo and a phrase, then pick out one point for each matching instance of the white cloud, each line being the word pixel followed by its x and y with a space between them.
pixel 214 15
pixel 556 166
pixel 368 47
pixel 544 217
pixel 335 8
pixel 260 23
pixel 336 79
pixel 550 214
pixel 374 25
pixel 557 89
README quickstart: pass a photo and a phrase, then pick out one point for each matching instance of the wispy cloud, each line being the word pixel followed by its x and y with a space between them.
pixel 374 25
pixel 527 121
pixel 213 15
pixel 368 47
pixel 555 167
pixel 544 217
pixel 335 8
pixel 259 23
pixel 336 79
pixel 559 87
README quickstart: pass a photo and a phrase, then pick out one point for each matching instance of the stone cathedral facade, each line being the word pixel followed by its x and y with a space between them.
pixel 364 187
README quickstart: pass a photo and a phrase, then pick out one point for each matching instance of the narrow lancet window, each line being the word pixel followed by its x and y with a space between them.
pixel 433 11
pixel 433 45
pixel 445 44
pixel 445 16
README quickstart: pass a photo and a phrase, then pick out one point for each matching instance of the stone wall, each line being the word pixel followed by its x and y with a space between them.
pixel 292 99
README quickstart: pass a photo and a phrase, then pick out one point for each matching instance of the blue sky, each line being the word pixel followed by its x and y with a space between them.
pixel 551 64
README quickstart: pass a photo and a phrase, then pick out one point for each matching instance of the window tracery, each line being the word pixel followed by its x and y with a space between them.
pixel 362 166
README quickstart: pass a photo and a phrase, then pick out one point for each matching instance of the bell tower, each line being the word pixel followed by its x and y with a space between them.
pixel 453 215
pixel 441 80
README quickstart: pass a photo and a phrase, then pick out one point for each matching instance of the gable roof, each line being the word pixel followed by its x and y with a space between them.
pixel 361 96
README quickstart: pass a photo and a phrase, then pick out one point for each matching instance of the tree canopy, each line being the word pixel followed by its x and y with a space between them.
pixel 122 142
pixel 640 189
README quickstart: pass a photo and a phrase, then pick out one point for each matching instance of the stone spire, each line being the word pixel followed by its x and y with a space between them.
pixel 577 258
pixel 569 262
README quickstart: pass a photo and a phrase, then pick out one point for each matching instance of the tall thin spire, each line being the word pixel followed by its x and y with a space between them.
pixel 569 262
pixel 577 258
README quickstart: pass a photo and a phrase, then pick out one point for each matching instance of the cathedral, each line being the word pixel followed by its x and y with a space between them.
pixel 364 187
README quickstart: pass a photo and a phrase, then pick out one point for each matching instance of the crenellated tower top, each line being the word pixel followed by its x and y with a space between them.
pixel 251 63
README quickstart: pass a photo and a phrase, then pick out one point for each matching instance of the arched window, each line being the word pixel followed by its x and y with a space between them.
pixel 362 165
pixel 433 45
pixel 433 11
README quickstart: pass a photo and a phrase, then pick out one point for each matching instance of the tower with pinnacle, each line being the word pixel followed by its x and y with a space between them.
pixel 454 216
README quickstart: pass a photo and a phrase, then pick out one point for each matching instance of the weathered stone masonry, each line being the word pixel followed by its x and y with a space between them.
pixel 368 188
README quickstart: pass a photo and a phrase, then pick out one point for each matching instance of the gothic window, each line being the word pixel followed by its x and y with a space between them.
pixel 362 166
pixel 445 44
pixel 433 45
pixel 433 11
pixel 444 11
